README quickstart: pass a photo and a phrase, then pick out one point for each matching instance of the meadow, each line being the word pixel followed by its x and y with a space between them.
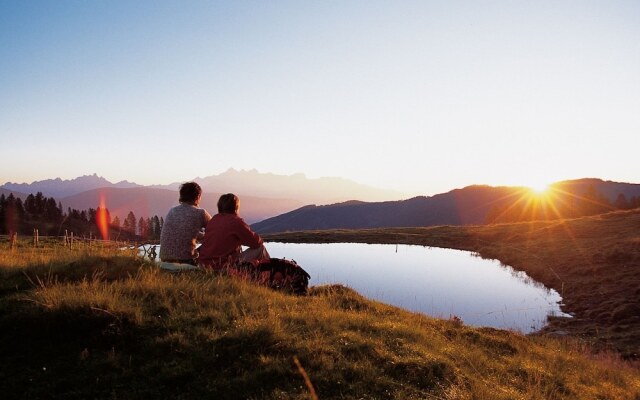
pixel 103 323
pixel 593 262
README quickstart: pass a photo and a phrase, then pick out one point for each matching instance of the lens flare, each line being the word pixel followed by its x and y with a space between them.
pixel 102 218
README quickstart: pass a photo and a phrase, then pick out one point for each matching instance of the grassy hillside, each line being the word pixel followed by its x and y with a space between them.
pixel 472 205
pixel 102 323
pixel 593 262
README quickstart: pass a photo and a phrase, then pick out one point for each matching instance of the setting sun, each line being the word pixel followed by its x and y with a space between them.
pixel 539 187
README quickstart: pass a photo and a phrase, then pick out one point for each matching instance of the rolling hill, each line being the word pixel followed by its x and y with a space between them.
pixel 468 206
pixel 17 194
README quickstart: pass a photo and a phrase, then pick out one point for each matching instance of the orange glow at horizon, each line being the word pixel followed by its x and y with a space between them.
pixel 539 186
pixel 102 218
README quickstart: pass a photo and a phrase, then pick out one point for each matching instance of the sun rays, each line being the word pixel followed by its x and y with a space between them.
pixel 550 203
pixel 546 202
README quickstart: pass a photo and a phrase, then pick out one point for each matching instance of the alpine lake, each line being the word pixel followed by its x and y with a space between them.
pixel 442 283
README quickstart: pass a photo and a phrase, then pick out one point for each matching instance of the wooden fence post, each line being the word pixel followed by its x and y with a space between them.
pixel 13 240
pixel 36 238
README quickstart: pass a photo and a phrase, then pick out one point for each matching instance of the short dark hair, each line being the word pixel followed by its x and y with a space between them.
pixel 189 192
pixel 228 204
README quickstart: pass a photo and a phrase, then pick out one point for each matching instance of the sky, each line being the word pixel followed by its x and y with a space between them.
pixel 416 96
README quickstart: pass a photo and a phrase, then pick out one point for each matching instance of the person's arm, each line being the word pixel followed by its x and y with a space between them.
pixel 206 217
pixel 248 237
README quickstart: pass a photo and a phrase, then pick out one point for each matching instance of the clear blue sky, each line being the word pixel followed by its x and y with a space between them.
pixel 419 96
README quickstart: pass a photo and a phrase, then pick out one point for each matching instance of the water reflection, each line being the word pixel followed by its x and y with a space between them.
pixel 434 281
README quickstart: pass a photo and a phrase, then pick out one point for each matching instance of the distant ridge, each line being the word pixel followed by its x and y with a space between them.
pixel 297 186
pixel 262 195
pixel 60 188
pixel 609 189
pixel 7 192
pixel 251 183
pixel 268 200
pixel 472 205
pixel 457 207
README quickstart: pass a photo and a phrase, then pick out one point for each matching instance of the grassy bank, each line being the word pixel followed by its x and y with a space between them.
pixel 102 323
pixel 593 262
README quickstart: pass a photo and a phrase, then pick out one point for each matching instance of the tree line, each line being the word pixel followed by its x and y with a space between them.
pixel 47 215
pixel 559 205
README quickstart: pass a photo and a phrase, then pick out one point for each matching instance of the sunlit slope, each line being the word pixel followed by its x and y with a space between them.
pixel 471 205
pixel 107 325
pixel 593 262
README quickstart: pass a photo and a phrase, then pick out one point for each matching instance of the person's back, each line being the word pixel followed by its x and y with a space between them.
pixel 183 226
pixel 225 233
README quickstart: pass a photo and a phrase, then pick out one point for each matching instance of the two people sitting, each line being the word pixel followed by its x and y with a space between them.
pixel 222 235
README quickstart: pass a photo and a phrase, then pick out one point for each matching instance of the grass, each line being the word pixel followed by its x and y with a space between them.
pixel 593 262
pixel 102 323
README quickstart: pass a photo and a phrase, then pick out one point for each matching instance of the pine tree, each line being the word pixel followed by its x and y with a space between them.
pixel 130 222
pixel 39 201
pixel 30 206
pixel 156 227
pixel 52 213
pixel 142 228
pixel 149 227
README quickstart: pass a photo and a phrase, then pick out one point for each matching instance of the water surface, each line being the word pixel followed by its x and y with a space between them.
pixel 434 281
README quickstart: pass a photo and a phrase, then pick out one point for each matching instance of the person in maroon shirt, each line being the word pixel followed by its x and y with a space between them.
pixel 224 235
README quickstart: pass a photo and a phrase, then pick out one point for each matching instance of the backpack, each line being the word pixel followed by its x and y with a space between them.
pixel 285 275
pixel 278 274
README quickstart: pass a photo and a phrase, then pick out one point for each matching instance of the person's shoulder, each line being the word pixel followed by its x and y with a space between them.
pixel 204 213
pixel 239 219
pixel 174 209
pixel 228 217
pixel 191 208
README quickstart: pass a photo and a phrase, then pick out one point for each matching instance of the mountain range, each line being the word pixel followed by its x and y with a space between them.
pixel 60 188
pixel 267 200
pixel 262 195
pixel 241 182
pixel 471 205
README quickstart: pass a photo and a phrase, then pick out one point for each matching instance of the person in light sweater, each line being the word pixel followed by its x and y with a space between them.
pixel 183 227
pixel 225 235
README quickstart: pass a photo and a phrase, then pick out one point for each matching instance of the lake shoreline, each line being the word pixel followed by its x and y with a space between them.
pixel 593 262
pixel 433 281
